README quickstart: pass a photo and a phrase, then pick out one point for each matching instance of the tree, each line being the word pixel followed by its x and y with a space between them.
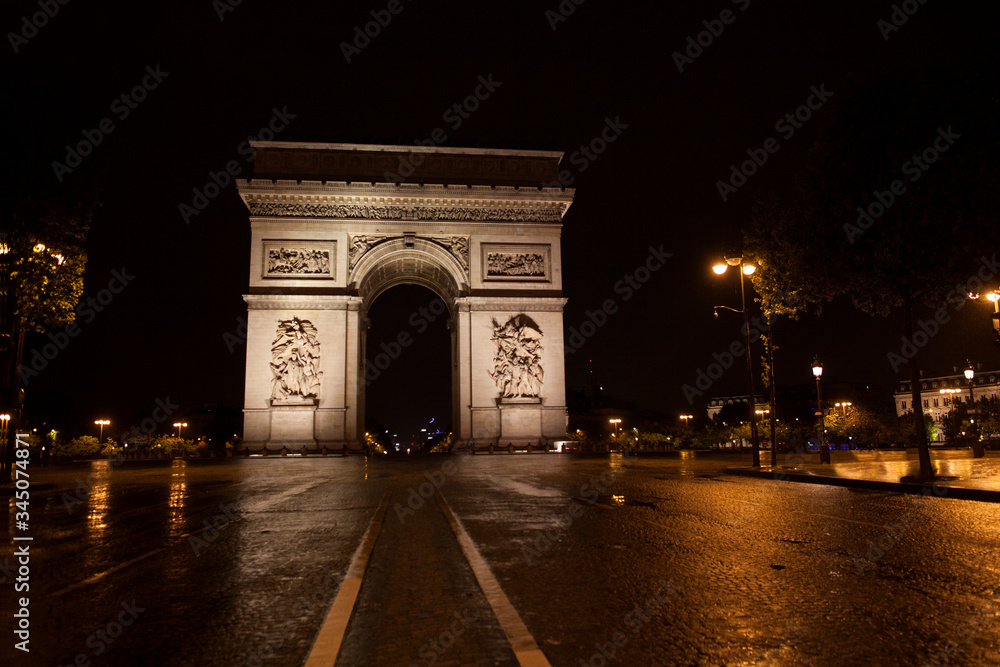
pixel 895 207
pixel 87 446
pixel 171 445
pixel 43 256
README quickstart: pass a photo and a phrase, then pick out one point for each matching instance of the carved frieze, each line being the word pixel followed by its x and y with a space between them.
pixel 299 259
pixel 525 262
pixel 517 368
pixel 359 246
pixel 458 246
pixel 389 212
pixel 295 361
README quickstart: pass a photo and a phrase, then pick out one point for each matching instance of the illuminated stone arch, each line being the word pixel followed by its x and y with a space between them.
pixel 332 229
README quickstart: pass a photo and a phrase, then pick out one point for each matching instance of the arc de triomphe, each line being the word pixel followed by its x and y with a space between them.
pixel 333 226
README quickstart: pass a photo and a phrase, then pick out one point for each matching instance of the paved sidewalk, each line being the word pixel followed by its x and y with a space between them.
pixel 961 476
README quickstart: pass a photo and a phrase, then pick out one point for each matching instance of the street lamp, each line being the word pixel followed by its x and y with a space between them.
pixel 970 374
pixel 978 451
pixel 180 427
pixel 614 424
pixel 994 297
pixel 746 269
pixel 843 407
pixel 685 419
pixel 102 423
pixel 824 450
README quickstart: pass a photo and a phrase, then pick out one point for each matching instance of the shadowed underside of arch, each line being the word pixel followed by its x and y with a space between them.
pixel 416 262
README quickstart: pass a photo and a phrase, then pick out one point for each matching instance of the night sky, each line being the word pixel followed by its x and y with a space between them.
pixel 220 80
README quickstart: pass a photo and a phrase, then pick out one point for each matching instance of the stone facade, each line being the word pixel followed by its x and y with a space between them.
pixel 328 237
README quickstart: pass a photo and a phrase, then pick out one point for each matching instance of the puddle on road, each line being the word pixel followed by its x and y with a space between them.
pixel 622 501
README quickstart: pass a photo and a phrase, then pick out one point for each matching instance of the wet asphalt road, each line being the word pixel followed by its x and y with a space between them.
pixel 607 560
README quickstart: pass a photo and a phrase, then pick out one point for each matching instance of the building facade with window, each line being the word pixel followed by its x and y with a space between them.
pixel 939 394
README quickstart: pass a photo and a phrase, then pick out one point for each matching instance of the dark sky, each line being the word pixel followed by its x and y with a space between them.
pixel 165 335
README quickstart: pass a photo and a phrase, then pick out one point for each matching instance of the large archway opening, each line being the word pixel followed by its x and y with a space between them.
pixel 408 370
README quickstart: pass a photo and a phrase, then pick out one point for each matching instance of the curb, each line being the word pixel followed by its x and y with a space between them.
pixel 936 489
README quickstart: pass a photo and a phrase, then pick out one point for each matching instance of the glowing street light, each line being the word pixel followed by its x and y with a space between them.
pixel 686 418
pixel 180 427
pixel 824 451
pixel 746 269
pixel 614 424
pixel 102 423
pixel 978 451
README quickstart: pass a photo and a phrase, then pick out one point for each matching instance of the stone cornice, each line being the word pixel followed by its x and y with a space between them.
pixel 405 201
pixel 301 302
pixel 511 304
pixel 547 213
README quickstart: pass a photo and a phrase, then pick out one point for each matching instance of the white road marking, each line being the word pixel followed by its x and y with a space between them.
pixel 331 634
pixel 525 648
pixel 100 575
pixel 258 507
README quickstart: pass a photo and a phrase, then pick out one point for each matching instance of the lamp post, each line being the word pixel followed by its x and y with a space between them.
pixel 745 270
pixel 614 425
pixel 4 423
pixel 180 427
pixel 824 449
pixel 970 374
pixel 994 297
pixel 101 423
pixel 978 451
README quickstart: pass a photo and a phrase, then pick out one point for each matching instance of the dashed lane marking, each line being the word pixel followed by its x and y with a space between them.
pixel 259 506
pixel 100 575
pixel 331 634
pixel 525 648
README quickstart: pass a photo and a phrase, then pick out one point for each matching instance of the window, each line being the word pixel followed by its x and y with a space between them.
pixel 902 406
pixel 925 403
pixel 936 402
